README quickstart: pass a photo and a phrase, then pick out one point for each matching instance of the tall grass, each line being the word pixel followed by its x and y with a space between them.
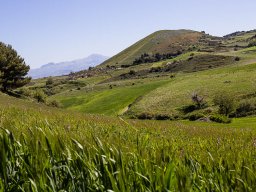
pixel 52 150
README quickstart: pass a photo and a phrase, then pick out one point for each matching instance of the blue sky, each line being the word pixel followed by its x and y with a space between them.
pixel 44 31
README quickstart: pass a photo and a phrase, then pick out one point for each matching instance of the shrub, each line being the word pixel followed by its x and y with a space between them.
pixel 208 110
pixel 237 58
pixel 226 103
pixel 155 69
pixel 26 92
pixel 40 96
pixel 190 58
pixel 49 91
pixel 49 81
pixel 220 118
pixel 145 116
pixel 188 108
pixel 162 117
pixel 172 75
pixel 194 116
pixel 245 108
pixel 252 44
pixel 198 101
pixel 53 103
pixel 132 72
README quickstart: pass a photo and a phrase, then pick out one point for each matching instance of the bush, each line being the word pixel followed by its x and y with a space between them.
pixel 220 118
pixel 132 72
pixel 172 75
pixel 252 44
pixel 194 116
pixel 226 103
pixel 190 58
pixel 155 69
pixel 26 92
pixel 189 108
pixel 49 91
pixel 237 58
pixel 53 103
pixel 145 116
pixel 40 96
pixel 49 81
pixel 244 109
pixel 162 117
pixel 198 101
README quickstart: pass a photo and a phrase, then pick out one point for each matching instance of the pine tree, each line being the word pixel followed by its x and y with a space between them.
pixel 13 69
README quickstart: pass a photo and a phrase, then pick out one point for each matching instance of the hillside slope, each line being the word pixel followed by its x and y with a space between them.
pixel 162 88
pixel 165 41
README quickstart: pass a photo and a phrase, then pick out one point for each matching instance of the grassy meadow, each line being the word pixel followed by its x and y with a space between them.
pixel 158 93
pixel 161 95
pixel 109 101
pixel 94 141
pixel 238 80
pixel 48 149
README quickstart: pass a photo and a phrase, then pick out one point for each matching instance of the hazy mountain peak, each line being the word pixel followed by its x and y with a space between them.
pixel 64 68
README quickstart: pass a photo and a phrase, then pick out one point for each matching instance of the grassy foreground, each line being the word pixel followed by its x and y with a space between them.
pixel 46 149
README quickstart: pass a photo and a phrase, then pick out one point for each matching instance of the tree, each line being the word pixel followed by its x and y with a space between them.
pixel 13 69
pixel 226 103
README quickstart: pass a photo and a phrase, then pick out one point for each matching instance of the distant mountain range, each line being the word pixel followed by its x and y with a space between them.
pixel 64 68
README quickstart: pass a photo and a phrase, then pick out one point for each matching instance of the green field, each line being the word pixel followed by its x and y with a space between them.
pixel 205 70
pixel 162 95
pixel 47 149
pixel 108 101
pixel 238 80
pixel 92 138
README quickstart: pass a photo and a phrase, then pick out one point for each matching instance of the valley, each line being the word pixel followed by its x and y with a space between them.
pixel 162 88
pixel 173 112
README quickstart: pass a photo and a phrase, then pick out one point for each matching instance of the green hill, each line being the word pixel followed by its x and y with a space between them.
pixel 206 65
pixel 165 41
pixel 167 46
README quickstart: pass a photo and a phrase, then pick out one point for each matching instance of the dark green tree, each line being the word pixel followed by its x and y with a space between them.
pixel 13 69
pixel 226 102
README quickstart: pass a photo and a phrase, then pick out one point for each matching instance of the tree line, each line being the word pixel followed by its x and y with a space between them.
pixel 151 58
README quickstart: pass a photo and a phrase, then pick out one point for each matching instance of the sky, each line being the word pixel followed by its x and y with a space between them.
pixel 44 31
